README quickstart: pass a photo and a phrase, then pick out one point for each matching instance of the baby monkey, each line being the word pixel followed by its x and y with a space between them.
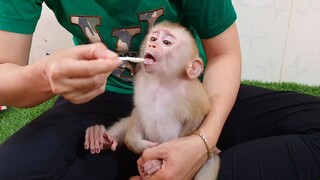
pixel 169 99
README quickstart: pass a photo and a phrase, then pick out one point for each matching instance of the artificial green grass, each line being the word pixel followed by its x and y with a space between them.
pixel 14 118
pixel 286 86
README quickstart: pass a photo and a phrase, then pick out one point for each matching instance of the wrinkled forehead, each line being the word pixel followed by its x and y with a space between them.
pixel 175 32
pixel 166 31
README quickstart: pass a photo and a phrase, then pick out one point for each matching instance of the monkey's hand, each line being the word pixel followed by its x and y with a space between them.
pixel 97 139
pixel 173 155
pixel 150 167
pixel 112 142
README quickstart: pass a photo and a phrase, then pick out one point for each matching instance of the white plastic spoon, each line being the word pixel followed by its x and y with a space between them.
pixel 131 59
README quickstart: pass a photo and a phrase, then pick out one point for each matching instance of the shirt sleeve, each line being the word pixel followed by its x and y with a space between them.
pixel 209 17
pixel 19 16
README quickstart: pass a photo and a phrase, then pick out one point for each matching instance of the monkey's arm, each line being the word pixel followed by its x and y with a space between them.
pixel 119 129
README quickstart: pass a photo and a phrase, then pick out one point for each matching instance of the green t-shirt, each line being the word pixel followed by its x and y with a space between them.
pixel 121 25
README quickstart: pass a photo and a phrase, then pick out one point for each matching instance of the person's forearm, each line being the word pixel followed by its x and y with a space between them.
pixel 222 80
pixel 23 86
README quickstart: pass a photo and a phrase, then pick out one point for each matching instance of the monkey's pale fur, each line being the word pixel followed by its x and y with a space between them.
pixel 169 100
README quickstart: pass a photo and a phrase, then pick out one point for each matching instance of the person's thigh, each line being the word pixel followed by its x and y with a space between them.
pixel 287 157
pixel 271 135
pixel 260 113
pixel 51 146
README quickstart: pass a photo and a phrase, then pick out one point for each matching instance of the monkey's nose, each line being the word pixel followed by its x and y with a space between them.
pixel 151 45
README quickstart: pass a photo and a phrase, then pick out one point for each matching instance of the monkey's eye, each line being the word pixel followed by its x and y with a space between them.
pixel 167 43
pixel 153 39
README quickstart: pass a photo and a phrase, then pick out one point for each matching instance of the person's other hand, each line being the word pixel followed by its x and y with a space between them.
pixel 181 159
pixel 79 74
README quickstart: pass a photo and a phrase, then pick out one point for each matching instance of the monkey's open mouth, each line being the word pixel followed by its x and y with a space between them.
pixel 149 58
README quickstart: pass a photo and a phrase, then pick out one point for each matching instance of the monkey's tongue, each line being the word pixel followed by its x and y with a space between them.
pixel 149 58
pixel 149 61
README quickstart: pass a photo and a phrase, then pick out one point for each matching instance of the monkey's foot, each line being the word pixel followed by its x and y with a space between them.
pixel 152 166
pixel 144 144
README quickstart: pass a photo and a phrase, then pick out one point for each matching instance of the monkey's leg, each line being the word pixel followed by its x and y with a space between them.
pixel 134 138
pixel 209 171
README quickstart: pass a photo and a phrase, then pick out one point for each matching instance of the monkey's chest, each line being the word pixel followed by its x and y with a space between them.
pixel 161 118
pixel 162 110
pixel 161 130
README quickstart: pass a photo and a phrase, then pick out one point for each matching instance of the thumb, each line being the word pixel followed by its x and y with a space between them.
pixel 107 59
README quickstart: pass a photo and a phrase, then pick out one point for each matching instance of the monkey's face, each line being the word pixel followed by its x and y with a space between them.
pixel 164 52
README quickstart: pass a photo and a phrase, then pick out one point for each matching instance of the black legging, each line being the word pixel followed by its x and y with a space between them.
pixel 271 135
pixel 268 135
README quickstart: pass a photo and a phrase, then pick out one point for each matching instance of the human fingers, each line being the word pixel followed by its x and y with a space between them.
pixel 86 139
pixel 97 136
pixel 80 90
pixel 82 61
pixel 158 152
pixel 174 164
pixel 102 139
pixel 92 145
pixel 77 89
pixel 97 52
pixel 77 68
pixel 64 85
pixel 91 139
pixel 93 51
pixel 74 73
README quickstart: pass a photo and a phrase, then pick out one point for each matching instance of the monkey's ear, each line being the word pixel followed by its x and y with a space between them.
pixel 195 68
